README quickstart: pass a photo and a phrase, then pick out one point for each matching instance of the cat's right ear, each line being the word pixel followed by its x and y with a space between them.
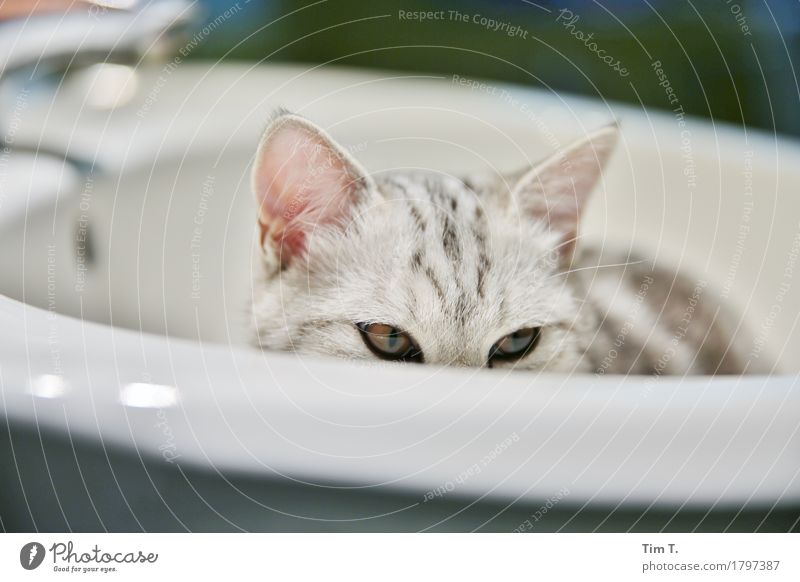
pixel 302 180
pixel 557 190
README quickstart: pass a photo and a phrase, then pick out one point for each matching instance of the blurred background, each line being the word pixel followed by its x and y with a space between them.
pixel 727 60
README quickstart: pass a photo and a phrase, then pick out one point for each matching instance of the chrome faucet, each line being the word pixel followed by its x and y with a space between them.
pixel 57 42
pixel 48 45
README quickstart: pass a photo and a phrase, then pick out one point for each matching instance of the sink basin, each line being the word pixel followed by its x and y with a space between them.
pixel 125 292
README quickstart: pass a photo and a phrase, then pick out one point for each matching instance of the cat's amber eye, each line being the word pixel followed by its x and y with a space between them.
pixel 515 345
pixel 389 342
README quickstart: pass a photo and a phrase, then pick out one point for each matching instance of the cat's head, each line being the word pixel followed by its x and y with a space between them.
pixel 414 266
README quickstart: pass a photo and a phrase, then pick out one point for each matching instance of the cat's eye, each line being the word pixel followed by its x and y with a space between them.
pixel 515 345
pixel 389 342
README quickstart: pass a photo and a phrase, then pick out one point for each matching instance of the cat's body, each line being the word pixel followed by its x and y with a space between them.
pixel 651 320
pixel 452 268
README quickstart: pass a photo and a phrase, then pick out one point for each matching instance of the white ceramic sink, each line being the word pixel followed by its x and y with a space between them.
pixel 157 241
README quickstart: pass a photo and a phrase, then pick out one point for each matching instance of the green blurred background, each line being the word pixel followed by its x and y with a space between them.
pixel 729 60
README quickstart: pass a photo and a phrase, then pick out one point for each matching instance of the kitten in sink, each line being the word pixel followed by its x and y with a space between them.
pixel 478 271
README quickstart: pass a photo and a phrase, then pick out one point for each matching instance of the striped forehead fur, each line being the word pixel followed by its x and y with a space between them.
pixel 452 261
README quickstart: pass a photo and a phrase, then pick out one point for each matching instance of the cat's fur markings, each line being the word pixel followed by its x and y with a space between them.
pixel 455 263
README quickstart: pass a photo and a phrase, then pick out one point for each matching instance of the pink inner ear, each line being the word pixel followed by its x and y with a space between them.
pixel 560 199
pixel 301 182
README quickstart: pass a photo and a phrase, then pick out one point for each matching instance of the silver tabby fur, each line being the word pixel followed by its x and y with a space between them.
pixel 459 263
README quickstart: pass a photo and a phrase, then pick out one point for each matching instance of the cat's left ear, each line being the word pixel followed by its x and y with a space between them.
pixel 557 189
pixel 303 180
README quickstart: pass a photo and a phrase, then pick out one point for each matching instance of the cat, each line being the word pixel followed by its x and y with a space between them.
pixel 484 270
